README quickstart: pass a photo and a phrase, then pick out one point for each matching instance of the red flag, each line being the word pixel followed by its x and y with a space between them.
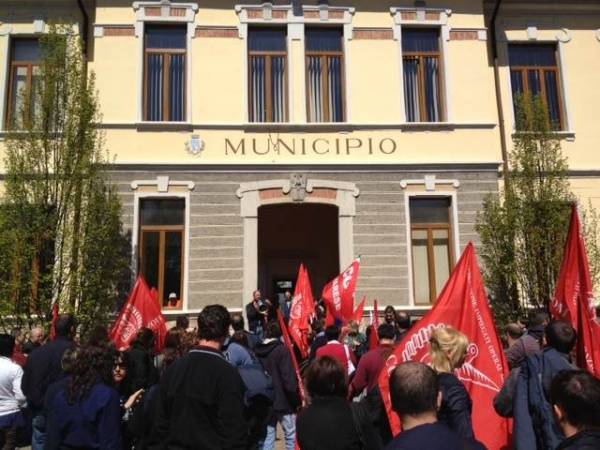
pixel 290 347
pixel 339 293
pixel 303 310
pixel 574 298
pixel 141 310
pixel 360 310
pixel 462 304
pixel 374 337
pixel 54 320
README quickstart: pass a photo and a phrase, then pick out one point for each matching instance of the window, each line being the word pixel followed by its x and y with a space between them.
pixel 24 71
pixel 534 71
pixel 162 227
pixel 324 74
pixel 267 64
pixel 422 67
pixel 164 77
pixel 431 245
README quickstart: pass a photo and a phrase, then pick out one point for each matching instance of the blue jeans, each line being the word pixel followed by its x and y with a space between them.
pixel 38 436
pixel 288 423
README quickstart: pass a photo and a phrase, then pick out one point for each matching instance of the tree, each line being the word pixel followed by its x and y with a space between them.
pixel 60 230
pixel 523 231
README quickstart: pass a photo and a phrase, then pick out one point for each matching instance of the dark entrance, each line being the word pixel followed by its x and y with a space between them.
pixel 291 234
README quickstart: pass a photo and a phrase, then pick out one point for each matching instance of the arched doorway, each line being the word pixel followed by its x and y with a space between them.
pixel 297 191
pixel 290 234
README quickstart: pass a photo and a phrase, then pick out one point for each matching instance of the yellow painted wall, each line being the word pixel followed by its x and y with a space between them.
pixel 580 65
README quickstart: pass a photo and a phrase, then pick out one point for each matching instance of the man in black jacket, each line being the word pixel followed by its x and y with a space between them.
pixel 575 397
pixel 44 368
pixel 277 361
pixel 200 397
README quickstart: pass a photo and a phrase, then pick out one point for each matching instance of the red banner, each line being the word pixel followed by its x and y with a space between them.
pixel 141 310
pixel 290 347
pixel 574 298
pixel 302 312
pixel 462 304
pixel 339 293
pixel 360 310
pixel 54 320
pixel 374 337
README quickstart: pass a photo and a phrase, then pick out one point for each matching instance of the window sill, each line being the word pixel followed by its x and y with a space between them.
pixel 305 126
pixel 568 135
pixel 164 126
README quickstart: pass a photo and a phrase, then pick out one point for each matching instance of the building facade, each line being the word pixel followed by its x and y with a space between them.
pixel 251 137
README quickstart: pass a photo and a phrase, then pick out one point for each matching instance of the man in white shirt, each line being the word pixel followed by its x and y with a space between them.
pixel 11 396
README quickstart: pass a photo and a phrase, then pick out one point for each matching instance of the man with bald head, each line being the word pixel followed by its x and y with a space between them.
pixel 36 339
pixel 416 398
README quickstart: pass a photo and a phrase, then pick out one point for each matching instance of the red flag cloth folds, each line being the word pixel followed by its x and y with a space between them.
pixel 339 293
pixel 288 343
pixel 574 298
pixel 462 304
pixel 360 310
pixel 54 320
pixel 303 310
pixel 374 337
pixel 141 310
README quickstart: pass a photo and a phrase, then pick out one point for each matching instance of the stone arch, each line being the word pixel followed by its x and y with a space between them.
pixel 299 188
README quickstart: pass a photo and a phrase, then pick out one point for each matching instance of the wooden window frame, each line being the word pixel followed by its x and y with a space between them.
pixel 420 57
pixel 268 82
pixel 166 105
pixel 162 230
pixel 430 228
pixel 324 56
pixel 14 65
pixel 525 70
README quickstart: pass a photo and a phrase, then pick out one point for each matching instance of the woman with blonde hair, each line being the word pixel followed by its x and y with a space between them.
pixel 448 349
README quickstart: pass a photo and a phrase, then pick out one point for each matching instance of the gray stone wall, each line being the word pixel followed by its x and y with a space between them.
pixel 216 228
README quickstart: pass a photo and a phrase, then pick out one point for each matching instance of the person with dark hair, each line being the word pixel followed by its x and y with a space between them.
pixel 416 398
pixel 143 372
pixel 238 324
pixel 319 340
pixel 575 397
pixel 328 422
pixel 531 342
pixel 534 425
pixel 11 397
pixel 199 401
pixel 182 323
pixel 86 413
pixel 370 365
pixel 44 368
pixel 403 325
pixel 337 350
pixel 277 361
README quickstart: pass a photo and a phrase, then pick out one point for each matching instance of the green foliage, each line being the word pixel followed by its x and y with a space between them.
pixel 523 232
pixel 60 230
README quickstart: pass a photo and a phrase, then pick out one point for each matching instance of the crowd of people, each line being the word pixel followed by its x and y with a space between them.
pixel 223 386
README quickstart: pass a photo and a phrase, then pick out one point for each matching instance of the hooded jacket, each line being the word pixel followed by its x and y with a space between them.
pixel 535 427
pixel 277 361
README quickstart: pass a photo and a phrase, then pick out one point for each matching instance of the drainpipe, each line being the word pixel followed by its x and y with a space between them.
pixel 85 29
pixel 501 124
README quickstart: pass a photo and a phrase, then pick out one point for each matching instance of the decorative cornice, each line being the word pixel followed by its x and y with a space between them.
pixel 162 183
pixel 430 182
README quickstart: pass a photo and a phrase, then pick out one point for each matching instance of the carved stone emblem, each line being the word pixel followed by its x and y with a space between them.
pixel 298 187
